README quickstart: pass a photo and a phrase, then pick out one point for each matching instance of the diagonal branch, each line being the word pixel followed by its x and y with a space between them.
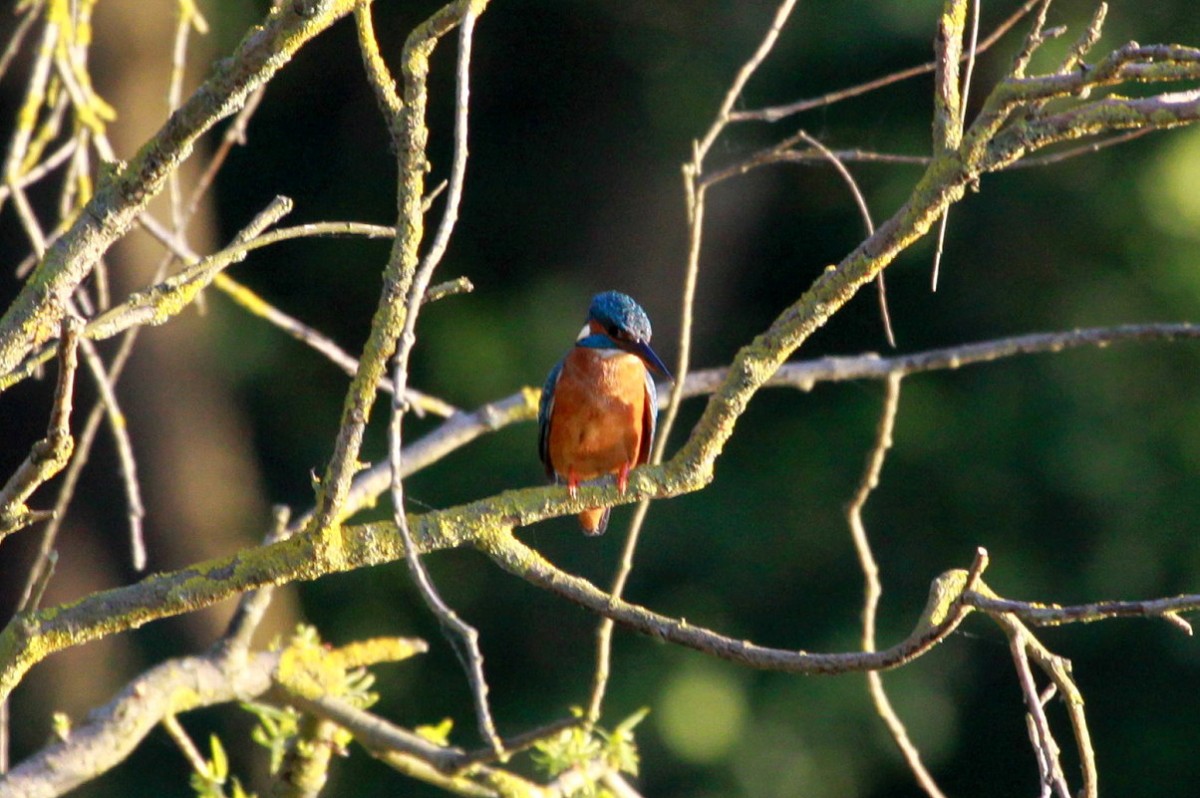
pixel 127 188
pixel 775 113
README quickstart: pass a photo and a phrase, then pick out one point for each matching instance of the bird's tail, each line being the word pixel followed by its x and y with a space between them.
pixel 595 521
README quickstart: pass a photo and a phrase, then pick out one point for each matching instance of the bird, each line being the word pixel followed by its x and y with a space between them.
pixel 599 405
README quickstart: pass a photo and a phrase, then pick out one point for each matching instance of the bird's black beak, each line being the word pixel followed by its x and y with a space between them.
pixel 643 350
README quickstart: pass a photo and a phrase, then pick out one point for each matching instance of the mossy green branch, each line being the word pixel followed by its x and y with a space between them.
pixel 29 639
pixel 405 119
pixel 112 731
pixel 947 95
pixel 486 524
pixel 1113 113
pixel 163 301
pixel 33 316
pixel 943 183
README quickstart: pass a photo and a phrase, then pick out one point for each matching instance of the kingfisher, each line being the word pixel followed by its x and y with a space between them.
pixel 599 405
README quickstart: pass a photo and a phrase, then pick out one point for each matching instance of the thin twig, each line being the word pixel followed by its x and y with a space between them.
pixel 1045 747
pixel 463 637
pixel 32 12
pixel 377 733
pixel 188 748
pixel 142 307
pixel 190 19
pixel 1087 40
pixel 943 612
pixel 775 113
pixel 1056 615
pixel 950 102
pixel 1083 149
pixel 235 133
pixel 782 153
pixel 43 168
pixel 805 374
pixel 18 144
pixel 1058 669
pixel 873 589
pixel 865 213
pixel 256 304
pixel 724 115
pixel 39 573
pixel 50 455
pixel 135 510
pixel 252 606
pixel 694 195
pixel 972 52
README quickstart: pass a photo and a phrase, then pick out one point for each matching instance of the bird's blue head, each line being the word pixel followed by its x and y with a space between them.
pixel 616 321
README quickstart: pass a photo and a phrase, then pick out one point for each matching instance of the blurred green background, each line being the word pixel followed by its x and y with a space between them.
pixel 1079 472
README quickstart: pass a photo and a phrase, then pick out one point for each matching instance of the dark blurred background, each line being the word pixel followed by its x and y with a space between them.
pixel 1080 472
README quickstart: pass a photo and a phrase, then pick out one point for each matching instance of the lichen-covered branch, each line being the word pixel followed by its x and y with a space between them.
pixel 123 193
pixel 30 638
pixel 112 732
pixel 49 455
pixel 1017 119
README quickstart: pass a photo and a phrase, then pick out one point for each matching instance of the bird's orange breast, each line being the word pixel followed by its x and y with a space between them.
pixel 596 426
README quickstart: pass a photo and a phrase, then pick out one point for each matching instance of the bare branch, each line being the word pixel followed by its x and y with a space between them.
pixel 255 304
pixel 463 637
pixel 1058 670
pixel 940 618
pixel 724 115
pixel 123 195
pixel 1054 615
pixel 119 428
pixel 1044 745
pixel 50 455
pixel 774 114
pixel 865 213
pixel 112 732
pixel 873 589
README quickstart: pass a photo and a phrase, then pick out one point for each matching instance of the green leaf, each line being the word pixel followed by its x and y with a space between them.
pixel 218 767
pixel 439 734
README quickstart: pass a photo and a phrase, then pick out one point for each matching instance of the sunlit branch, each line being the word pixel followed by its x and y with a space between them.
pixel 873 588
pixel 694 198
pixel 50 455
pixel 122 195
pixel 775 113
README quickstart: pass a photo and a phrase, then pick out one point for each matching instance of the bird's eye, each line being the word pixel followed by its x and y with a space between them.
pixel 613 331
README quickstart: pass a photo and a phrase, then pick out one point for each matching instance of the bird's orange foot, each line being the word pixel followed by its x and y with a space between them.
pixel 623 478
pixel 572 483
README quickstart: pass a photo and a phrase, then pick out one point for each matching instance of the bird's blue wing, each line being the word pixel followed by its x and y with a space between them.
pixel 649 420
pixel 545 408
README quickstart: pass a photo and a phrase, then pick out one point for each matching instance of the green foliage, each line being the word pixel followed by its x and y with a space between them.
pixel 277 728
pixel 60 723
pixel 439 734
pixel 212 782
pixel 588 750
pixel 620 748
pixel 309 667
